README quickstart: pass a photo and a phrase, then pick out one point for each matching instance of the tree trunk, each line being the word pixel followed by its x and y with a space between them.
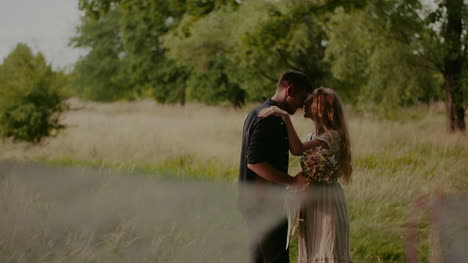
pixel 454 106
pixel 453 62
pixel 183 96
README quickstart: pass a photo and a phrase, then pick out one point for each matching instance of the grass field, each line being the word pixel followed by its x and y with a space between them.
pixel 395 162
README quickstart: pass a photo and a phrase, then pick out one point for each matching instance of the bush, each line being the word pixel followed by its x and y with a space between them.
pixel 30 97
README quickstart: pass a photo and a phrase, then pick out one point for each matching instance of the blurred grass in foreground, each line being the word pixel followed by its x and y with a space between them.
pixel 395 161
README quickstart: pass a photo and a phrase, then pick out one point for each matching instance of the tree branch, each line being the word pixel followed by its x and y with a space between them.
pixel 266 75
pixel 424 66
pixel 285 59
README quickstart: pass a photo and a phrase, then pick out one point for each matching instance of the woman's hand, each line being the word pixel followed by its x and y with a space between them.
pixel 299 181
pixel 272 110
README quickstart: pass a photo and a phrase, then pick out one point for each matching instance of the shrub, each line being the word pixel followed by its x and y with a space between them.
pixel 30 97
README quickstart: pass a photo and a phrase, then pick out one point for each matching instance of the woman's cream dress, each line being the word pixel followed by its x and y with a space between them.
pixel 324 221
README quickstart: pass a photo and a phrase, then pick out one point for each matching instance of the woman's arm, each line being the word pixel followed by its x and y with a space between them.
pixel 296 146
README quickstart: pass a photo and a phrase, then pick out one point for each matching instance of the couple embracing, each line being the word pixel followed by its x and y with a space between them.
pixel 321 217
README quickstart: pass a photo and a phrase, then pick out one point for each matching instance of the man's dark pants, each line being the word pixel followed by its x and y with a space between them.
pixel 269 246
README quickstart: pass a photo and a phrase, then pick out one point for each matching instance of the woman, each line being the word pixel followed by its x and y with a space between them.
pixel 326 158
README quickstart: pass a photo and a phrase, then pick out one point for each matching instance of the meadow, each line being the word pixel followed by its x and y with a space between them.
pixel 395 162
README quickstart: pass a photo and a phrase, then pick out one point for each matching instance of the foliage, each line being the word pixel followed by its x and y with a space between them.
pixel 127 35
pixel 377 54
pixel 375 62
pixel 101 74
pixel 401 52
pixel 30 96
pixel 214 85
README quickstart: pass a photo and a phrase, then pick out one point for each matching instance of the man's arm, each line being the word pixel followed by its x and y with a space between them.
pixel 259 154
pixel 266 171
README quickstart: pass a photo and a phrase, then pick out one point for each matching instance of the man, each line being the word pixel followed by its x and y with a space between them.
pixel 264 161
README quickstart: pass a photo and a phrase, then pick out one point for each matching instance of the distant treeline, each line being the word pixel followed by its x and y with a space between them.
pixel 379 53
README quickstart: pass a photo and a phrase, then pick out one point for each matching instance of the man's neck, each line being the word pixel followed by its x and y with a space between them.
pixel 277 98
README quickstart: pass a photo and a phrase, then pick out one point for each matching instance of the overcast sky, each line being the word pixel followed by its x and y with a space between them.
pixel 45 25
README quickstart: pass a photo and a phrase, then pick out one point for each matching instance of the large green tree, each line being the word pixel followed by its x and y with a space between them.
pixel 370 51
pixel 398 52
pixel 134 44
pixel 102 74
pixel 258 40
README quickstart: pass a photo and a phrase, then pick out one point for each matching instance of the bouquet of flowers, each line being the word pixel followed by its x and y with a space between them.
pixel 319 165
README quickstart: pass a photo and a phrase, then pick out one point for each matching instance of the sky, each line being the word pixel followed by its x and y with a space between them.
pixel 45 25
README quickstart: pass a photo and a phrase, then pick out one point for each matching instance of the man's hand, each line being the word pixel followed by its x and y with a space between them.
pixel 299 181
pixel 267 172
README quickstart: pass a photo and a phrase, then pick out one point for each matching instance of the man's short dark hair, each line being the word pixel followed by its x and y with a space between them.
pixel 295 78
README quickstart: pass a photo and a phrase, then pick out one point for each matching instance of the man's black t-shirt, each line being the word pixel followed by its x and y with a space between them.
pixel 263 140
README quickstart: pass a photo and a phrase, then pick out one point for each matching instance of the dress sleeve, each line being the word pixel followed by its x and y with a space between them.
pixel 325 137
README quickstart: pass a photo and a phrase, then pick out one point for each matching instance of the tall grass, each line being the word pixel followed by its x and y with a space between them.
pixel 394 162
pixel 82 215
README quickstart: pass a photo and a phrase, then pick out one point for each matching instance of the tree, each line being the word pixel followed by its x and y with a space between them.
pixel 258 40
pixel 454 55
pixel 370 55
pixel 136 32
pixel 102 74
pixel 214 85
pixel 30 96
pixel 404 50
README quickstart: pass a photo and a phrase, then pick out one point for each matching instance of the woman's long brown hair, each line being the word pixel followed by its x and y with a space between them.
pixel 327 114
